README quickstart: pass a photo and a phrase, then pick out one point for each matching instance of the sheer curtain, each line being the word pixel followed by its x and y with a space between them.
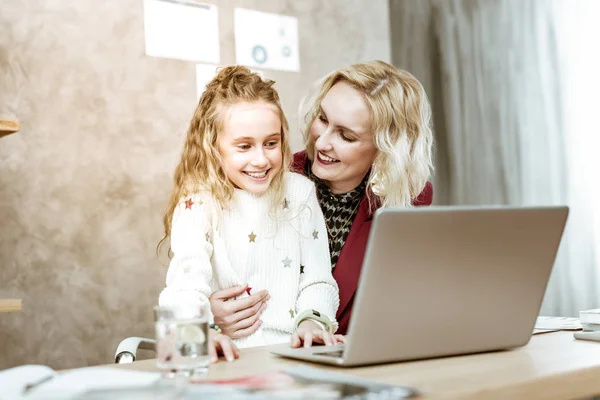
pixel 576 284
pixel 502 101
pixel 519 102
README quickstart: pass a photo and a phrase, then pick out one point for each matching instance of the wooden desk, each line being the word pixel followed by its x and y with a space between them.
pixel 10 305
pixel 551 366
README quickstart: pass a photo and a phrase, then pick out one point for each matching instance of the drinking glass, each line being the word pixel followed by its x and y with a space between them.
pixel 182 340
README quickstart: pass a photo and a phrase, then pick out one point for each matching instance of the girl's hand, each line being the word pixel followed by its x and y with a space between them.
pixel 238 318
pixel 221 345
pixel 310 332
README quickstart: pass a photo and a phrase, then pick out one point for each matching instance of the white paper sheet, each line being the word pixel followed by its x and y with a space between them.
pixel 182 29
pixel 13 381
pixel 266 40
pixel 47 384
pixel 590 316
pixel 74 384
pixel 552 324
pixel 204 73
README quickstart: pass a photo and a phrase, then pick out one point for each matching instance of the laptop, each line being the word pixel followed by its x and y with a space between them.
pixel 445 281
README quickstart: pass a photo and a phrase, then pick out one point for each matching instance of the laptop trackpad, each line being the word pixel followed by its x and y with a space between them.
pixel 329 352
pixel 332 353
pixel 336 351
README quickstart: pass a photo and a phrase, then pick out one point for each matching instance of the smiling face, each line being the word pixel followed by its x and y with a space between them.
pixel 250 145
pixel 344 149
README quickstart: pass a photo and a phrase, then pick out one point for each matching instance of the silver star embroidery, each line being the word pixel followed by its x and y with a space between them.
pixel 287 262
pixel 252 237
pixel 315 234
pixel 291 313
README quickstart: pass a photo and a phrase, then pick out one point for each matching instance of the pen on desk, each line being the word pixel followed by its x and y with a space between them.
pixel 593 335
pixel 30 386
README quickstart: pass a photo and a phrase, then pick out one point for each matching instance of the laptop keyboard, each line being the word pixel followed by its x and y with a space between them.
pixel 333 353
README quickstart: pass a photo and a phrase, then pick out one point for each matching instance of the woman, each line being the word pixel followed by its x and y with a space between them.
pixel 368 145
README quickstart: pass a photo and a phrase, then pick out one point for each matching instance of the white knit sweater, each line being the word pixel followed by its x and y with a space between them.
pixel 243 243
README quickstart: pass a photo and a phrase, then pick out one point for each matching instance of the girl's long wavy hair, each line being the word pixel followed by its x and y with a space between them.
pixel 400 124
pixel 200 168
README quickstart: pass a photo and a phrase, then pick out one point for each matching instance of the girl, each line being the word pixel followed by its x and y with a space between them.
pixel 237 215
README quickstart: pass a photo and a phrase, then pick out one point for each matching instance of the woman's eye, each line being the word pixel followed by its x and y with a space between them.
pixel 346 138
pixel 322 118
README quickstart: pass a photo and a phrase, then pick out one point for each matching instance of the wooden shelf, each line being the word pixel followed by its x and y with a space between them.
pixel 10 305
pixel 8 126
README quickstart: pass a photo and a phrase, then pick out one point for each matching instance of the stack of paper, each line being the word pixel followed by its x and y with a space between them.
pixel 590 319
pixel 553 324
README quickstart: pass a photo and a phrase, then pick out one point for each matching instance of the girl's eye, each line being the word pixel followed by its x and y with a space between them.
pixel 272 143
pixel 322 118
pixel 244 146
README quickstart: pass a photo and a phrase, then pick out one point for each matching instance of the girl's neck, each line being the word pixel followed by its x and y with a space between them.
pixel 246 193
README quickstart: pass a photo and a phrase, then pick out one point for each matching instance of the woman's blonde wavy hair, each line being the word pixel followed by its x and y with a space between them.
pixel 200 167
pixel 400 122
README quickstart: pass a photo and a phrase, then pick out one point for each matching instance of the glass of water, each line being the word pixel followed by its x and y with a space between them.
pixel 182 340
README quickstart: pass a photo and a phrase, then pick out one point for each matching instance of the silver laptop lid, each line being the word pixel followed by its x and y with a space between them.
pixel 441 281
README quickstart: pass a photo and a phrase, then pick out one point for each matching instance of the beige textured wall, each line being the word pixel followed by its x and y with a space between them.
pixel 83 184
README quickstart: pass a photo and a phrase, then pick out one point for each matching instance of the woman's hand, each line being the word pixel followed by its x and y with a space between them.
pixel 238 318
pixel 221 345
pixel 310 332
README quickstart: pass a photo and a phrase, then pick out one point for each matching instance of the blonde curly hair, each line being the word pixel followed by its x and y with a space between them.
pixel 200 168
pixel 400 123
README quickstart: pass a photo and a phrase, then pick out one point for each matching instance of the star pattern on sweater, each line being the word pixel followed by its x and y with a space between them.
pixel 286 204
pixel 315 234
pixel 259 257
pixel 189 203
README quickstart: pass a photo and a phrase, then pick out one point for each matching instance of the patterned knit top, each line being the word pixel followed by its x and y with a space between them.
pixel 339 211
pixel 288 256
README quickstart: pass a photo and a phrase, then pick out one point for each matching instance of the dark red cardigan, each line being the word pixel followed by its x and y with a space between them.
pixel 349 264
